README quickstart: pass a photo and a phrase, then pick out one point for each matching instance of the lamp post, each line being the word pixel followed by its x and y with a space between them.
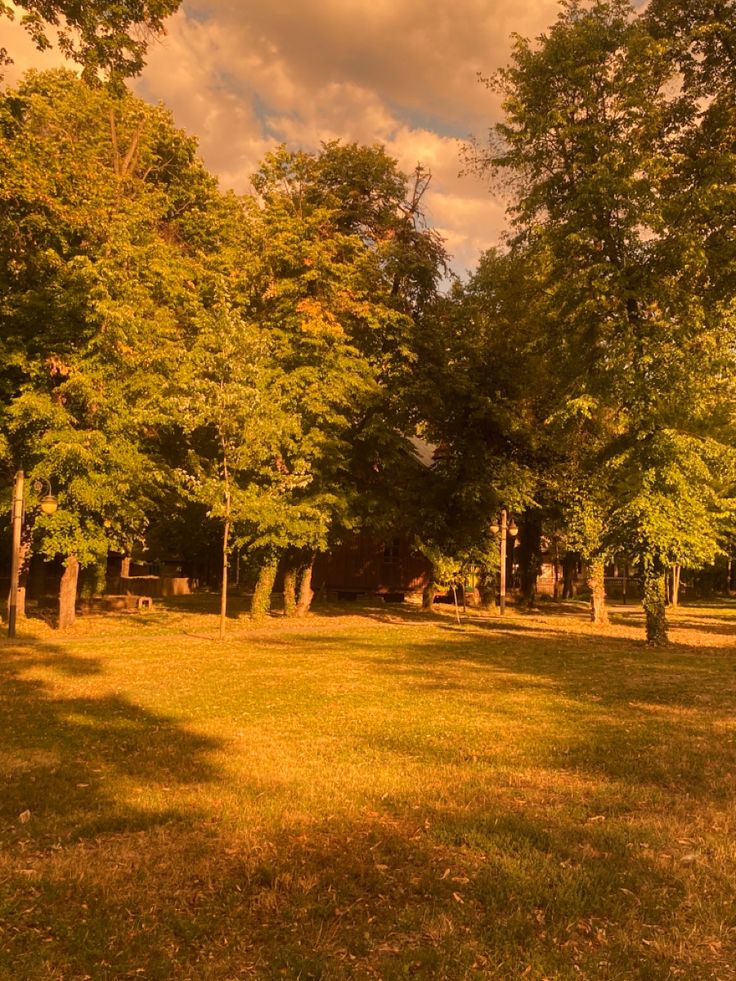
pixel 505 528
pixel 48 506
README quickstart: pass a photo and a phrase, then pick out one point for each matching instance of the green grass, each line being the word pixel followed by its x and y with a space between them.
pixel 370 793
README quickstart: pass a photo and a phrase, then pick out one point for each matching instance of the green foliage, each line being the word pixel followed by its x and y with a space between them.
pixel 98 290
pixel 346 265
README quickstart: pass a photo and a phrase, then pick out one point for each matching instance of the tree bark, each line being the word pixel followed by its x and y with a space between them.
pixel 654 604
pixel 597 586
pixel 428 594
pixel 261 603
pixel 68 593
pixel 306 593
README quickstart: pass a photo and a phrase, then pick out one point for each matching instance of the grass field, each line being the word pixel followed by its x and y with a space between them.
pixel 370 793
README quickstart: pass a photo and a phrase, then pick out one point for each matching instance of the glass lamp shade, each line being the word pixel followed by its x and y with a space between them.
pixel 513 529
pixel 495 528
pixel 49 504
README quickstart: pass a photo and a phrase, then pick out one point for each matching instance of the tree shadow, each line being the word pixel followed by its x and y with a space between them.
pixel 439 890
pixel 70 761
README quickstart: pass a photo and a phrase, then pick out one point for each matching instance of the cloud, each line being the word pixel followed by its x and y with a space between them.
pixel 244 76
pixel 22 50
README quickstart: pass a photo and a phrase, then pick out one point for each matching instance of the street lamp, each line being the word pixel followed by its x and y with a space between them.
pixel 504 527
pixel 48 505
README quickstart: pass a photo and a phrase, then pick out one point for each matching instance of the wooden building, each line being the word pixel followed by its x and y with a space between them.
pixel 364 567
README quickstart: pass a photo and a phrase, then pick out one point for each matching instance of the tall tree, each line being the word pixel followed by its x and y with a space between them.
pixel 347 263
pixel 593 137
pixel 98 291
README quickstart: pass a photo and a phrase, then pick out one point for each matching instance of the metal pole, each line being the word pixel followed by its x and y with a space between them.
pixel 17 522
pixel 502 588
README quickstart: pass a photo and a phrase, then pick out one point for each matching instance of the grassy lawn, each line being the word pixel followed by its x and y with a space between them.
pixel 370 793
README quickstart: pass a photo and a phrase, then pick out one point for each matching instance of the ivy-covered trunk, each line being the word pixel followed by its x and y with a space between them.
pixel 94 579
pixel 487 589
pixel 261 604
pixel 654 603
pixel 68 592
pixel 429 592
pixel 597 586
pixel 529 554
pixel 24 561
pixel 306 593
pixel 290 577
pixel 223 583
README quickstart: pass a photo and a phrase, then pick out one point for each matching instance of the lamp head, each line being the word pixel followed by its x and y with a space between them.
pixel 513 529
pixel 49 504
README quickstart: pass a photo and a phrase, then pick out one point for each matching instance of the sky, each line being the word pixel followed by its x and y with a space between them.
pixel 246 75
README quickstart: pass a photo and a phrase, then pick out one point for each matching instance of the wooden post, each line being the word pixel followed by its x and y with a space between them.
pixel 17 523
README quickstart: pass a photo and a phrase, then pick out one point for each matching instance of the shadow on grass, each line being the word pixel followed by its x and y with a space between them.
pixel 65 757
pixel 485 891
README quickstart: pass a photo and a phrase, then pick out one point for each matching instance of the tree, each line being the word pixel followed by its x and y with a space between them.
pixel 227 398
pixel 595 136
pixel 98 291
pixel 347 263
pixel 108 38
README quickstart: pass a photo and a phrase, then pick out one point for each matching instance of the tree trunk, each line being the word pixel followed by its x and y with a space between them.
pixel 428 594
pixel 555 571
pixel 569 575
pixel 24 559
pixel 675 585
pixel 68 593
pixel 529 554
pixel 597 586
pixel 306 593
pixel 261 604
pixel 654 604
pixel 94 578
pixel 487 589
pixel 223 587
pixel 290 576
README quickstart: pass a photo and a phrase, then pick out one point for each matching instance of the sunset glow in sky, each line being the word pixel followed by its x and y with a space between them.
pixel 244 76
